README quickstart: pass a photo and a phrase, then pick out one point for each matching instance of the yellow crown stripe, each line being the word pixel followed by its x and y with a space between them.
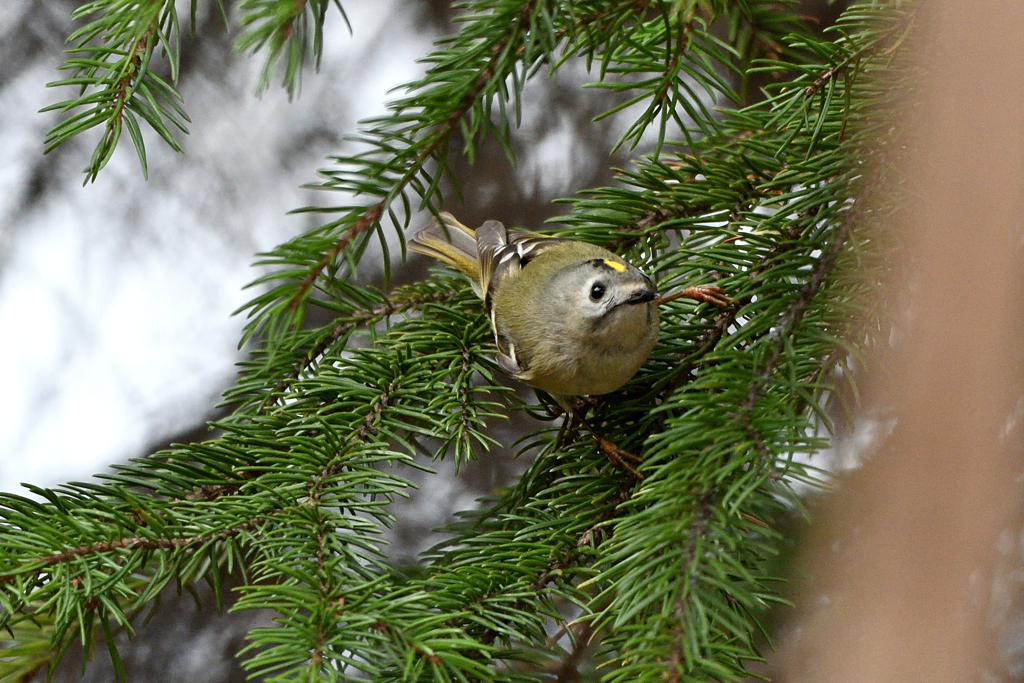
pixel 615 265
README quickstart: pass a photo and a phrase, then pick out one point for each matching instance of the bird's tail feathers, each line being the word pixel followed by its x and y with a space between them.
pixel 451 242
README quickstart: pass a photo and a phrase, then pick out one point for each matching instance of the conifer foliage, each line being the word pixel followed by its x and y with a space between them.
pixel 662 576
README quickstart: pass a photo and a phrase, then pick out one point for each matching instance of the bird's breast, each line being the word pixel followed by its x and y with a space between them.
pixel 582 362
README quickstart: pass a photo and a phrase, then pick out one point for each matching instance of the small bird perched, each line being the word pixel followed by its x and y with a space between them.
pixel 569 318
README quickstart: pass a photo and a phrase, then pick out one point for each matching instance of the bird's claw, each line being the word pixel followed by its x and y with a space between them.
pixel 619 456
pixel 711 294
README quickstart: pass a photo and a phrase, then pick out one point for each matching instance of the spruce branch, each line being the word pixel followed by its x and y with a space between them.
pixel 796 311
pixel 884 41
pixel 292 28
pixel 111 63
pixel 392 306
pixel 663 96
pixel 671 570
pixel 129 543
pixel 116 85
pixel 136 542
pixel 420 145
pixel 366 221
pixel 692 557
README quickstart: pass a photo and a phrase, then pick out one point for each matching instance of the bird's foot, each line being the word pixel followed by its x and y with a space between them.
pixel 711 294
pixel 619 456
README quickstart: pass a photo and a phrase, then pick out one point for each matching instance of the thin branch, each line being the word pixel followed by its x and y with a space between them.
pixel 368 429
pixel 130 543
pixel 866 50
pixel 174 543
pixel 698 528
pixel 568 669
pixel 124 82
pixel 299 7
pixel 369 218
pixel 359 318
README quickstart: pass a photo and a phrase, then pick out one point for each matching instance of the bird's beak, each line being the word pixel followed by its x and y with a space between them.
pixel 641 296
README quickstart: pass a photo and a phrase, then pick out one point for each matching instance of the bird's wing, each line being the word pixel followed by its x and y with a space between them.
pixel 509 366
pixel 502 253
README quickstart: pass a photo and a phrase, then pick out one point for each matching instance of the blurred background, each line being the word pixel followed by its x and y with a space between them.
pixel 116 328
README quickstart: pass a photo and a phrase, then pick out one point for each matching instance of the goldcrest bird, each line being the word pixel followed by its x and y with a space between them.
pixel 569 318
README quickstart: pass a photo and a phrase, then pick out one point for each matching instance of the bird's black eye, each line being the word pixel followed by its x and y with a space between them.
pixel 596 291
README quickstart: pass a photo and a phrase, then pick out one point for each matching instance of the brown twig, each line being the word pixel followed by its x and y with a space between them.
pixel 125 81
pixel 130 543
pixel 830 73
pixel 619 457
pixel 698 528
pixel 289 29
pixel 370 216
